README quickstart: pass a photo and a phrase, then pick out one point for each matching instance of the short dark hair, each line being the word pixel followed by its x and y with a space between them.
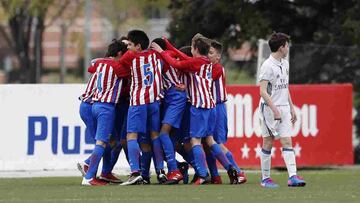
pixel 115 47
pixel 139 37
pixel 277 40
pixel 186 50
pixel 217 46
pixel 161 42
pixel 203 45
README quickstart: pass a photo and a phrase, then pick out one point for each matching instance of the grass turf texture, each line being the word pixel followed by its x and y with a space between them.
pixel 340 185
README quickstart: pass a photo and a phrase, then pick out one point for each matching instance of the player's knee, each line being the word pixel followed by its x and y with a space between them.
pixel 131 136
pixel 286 142
pixel 145 147
pixel 102 143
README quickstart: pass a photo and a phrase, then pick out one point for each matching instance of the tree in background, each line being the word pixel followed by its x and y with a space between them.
pixel 26 25
pixel 125 15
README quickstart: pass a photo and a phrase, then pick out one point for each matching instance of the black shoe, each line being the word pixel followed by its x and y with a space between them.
pixel 184 167
pixel 233 174
pixel 134 179
pixel 161 177
pixel 146 180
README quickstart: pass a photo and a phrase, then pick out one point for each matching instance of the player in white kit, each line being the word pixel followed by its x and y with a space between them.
pixel 277 110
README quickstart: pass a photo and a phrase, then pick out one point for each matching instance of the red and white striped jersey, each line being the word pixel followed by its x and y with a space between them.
pixel 199 80
pixel 219 85
pixel 146 81
pixel 90 89
pixel 108 84
pixel 171 77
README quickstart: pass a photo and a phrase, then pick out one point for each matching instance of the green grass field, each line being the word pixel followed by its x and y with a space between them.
pixel 336 185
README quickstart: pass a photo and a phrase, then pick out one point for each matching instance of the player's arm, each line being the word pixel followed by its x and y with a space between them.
pixel 122 67
pixel 292 110
pixel 181 55
pixel 185 65
pixel 263 93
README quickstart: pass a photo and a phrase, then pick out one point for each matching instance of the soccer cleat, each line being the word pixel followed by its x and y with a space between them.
pixel 134 179
pixel 146 180
pixel 184 167
pixel 233 175
pixel 83 168
pixel 216 180
pixel 202 180
pixel 161 177
pixel 241 178
pixel 173 177
pixel 93 182
pixel 110 178
pixel 268 183
pixel 296 181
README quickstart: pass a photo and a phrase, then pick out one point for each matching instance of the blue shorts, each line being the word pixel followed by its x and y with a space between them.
pixel 144 118
pixel 182 134
pixel 104 113
pixel 201 122
pixel 221 126
pixel 121 111
pixel 173 107
pixel 90 123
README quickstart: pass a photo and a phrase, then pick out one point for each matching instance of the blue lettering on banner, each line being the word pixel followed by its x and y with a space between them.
pixel 43 135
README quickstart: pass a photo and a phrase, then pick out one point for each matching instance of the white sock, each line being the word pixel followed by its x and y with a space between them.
pixel 289 159
pixel 265 163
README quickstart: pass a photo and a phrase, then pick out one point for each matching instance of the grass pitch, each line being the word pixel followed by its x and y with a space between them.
pixel 336 185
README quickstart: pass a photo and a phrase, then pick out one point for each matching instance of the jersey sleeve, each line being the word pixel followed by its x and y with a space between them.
pixel 184 65
pixel 92 68
pixel 266 73
pixel 216 71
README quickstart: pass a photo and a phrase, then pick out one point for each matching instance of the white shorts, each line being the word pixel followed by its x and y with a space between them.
pixel 272 127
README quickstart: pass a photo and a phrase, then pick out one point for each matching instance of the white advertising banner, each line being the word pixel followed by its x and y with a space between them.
pixel 41 128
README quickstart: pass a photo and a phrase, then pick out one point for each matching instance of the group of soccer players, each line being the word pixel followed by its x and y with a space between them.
pixel 153 100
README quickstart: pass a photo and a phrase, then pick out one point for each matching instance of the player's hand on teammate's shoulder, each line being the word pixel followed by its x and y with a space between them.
pixel 156 47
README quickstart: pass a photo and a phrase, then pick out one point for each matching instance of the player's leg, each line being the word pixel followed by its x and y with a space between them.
pixel 145 159
pixel 287 149
pixel 174 106
pixel 153 125
pixel 90 131
pixel 211 162
pixel 105 114
pixel 268 132
pixel 136 123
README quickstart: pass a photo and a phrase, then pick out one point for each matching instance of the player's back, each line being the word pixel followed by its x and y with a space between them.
pixel 145 78
pixel 108 85
pixel 200 83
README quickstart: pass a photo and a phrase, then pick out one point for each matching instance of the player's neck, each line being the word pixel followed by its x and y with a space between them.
pixel 276 55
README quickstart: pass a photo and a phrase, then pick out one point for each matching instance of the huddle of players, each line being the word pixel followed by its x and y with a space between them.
pixel 153 102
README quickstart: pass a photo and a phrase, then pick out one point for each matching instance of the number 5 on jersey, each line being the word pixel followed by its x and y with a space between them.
pixel 148 74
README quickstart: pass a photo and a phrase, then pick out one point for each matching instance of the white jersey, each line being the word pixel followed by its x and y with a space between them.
pixel 277 73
